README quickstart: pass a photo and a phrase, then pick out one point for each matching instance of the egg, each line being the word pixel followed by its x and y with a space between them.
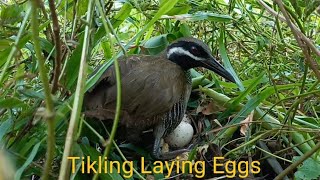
pixel 181 136
pixel 186 119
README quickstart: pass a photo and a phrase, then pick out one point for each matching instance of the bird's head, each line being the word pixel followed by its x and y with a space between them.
pixel 190 52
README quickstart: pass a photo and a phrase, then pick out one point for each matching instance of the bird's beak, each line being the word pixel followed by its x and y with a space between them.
pixel 213 65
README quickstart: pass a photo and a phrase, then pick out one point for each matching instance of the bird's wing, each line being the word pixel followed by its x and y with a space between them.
pixel 150 87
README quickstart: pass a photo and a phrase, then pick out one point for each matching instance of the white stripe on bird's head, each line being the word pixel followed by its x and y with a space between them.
pixel 180 51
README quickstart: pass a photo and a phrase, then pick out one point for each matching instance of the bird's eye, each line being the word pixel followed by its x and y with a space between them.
pixel 194 50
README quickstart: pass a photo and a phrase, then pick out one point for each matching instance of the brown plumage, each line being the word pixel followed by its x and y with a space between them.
pixel 155 90
pixel 145 92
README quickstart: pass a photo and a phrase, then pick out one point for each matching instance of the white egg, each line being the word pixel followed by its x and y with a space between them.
pixel 181 136
pixel 186 119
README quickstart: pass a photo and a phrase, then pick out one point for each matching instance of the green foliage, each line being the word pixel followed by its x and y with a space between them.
pixel 28 161
pixel 122 15
pixel 11 15
pixel 156 44
pixel 308 170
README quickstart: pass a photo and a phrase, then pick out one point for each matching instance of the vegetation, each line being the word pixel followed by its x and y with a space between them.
pixel 272 48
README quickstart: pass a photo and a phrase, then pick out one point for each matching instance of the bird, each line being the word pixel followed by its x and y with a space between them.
pixel 155 90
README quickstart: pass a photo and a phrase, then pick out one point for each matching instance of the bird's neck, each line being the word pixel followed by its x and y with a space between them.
pixel 188 76
pixel 181 63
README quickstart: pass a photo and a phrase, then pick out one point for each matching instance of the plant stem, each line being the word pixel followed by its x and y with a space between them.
pixel 118 84
pixel 78 99
pixel 48 99
pixel 57 43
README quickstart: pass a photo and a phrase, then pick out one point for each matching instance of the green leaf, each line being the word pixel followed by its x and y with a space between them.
pixel 26 146
pixel 200 16
pixel 308 170
pixel 181 9
pixel 311 6
pixel 254 84
pixel 122 15
pixel 296 7
pixel 31 93
pixel 105 45
pixel 4 43
pixel 11 14
pixel 299 138
pixel 262 42
pixel 4 55
pixel 185 30
pixel 20 72
pixel 226 61
pixel 256 100
pixel 46 45
pixel 156 44
pixel 242 96
pixel 24 39
pixel 252 104
pixel 4 127
pixel 28 161
pixel 82 7
pixel 12 103
pixel 72 67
